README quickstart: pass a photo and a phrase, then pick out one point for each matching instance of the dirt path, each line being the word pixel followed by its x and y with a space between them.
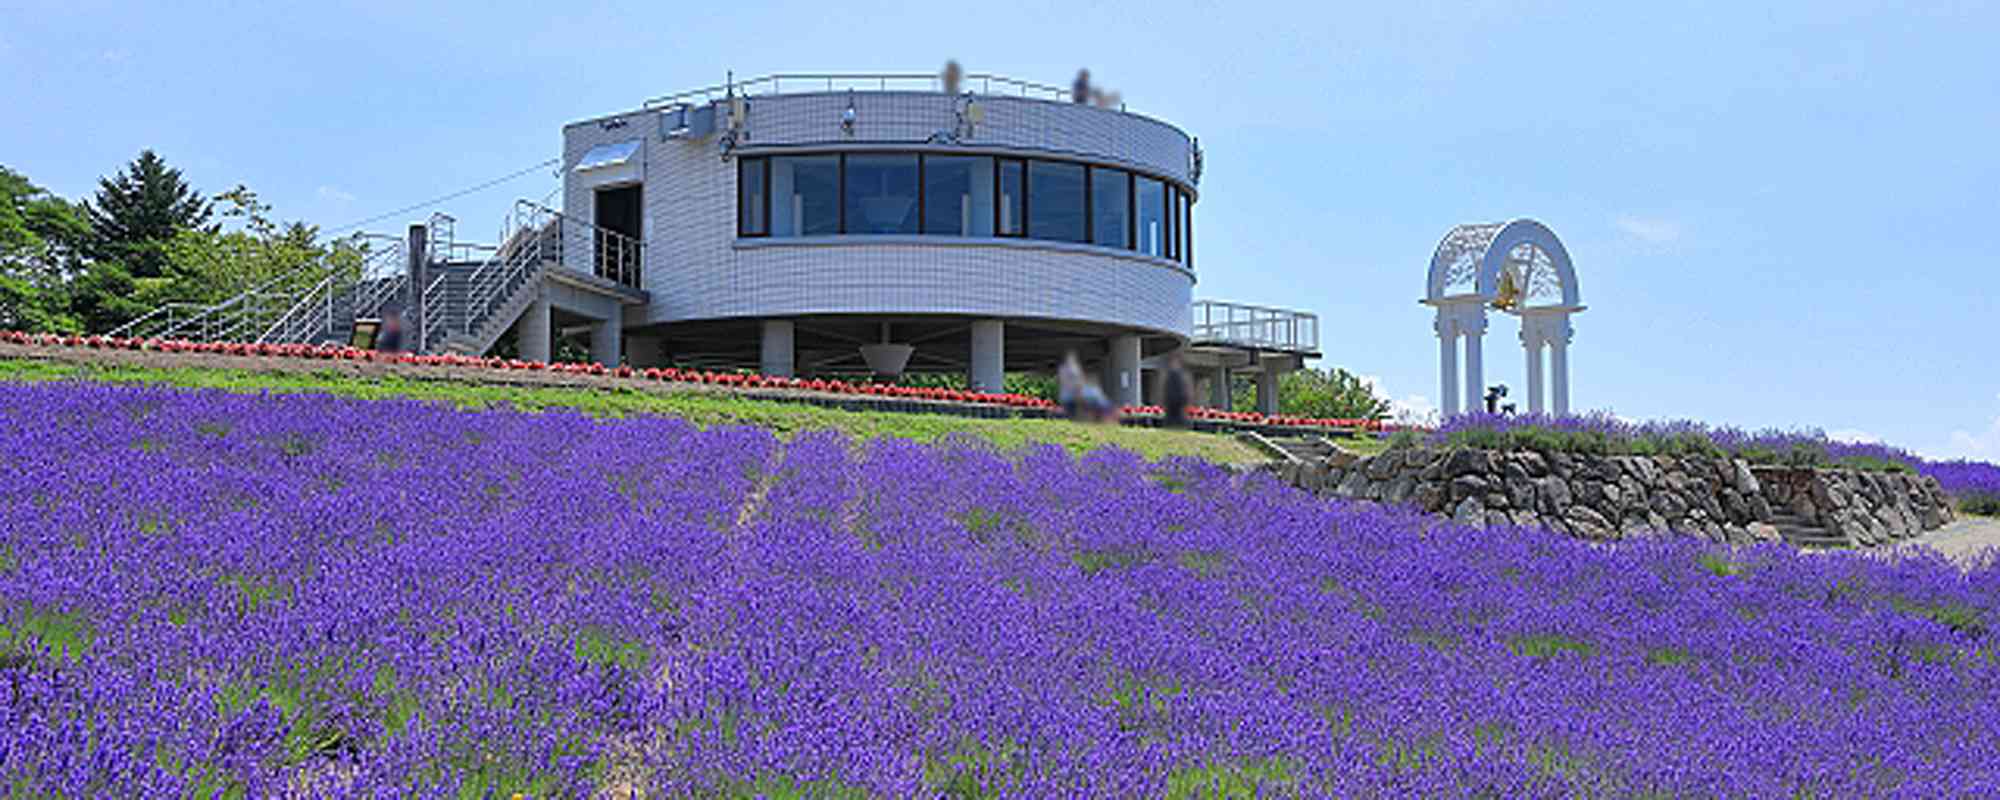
pixel 1964 539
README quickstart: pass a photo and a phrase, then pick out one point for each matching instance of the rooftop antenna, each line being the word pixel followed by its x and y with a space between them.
pixel 738 110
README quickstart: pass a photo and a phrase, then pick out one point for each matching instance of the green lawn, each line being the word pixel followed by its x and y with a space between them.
pixel 701 408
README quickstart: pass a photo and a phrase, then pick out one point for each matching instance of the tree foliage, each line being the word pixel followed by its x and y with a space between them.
pixel 147 239
pixel 42 238
pixel 1322 393
pixel 138 211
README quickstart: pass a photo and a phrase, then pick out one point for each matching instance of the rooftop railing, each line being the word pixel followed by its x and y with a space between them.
pixel 799 83
pixel 1258 327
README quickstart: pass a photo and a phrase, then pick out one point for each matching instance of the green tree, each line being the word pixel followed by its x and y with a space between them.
pixel 209 265
pixel 137 212
pixel 42 238
pixel 1322 393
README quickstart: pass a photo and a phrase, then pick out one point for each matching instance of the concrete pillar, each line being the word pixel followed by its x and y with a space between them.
pixel 1267 391
pixel 643 351
pixel 1475 370
pixel 1447 368
pixel 414 314
pixel 1559 372
pixel 1123 387
pixel 536 337
pixel 1531 344
pixel 988 369
pixel 775 354
pixel 1218 390
pixel 606 338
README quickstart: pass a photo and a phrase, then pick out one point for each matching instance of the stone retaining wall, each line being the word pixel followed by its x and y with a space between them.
pixel 1612 497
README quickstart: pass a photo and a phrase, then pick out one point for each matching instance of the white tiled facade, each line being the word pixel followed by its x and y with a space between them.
pixel 697 268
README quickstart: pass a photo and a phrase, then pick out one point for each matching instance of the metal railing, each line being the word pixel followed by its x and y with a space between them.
pixel 319 310
pixel 1260 327
pixel 273 308
pixel 799 83
pixel 523 250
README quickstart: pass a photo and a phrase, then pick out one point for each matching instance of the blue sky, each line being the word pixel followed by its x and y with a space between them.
pixel 1778 211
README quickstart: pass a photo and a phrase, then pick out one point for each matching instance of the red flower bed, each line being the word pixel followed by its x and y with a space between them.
pixel 727 379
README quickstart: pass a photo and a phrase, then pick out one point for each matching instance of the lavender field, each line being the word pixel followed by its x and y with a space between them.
pixel 214 594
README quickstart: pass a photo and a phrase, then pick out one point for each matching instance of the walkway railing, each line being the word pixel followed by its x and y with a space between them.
pixel 1260 327
pixel 800 83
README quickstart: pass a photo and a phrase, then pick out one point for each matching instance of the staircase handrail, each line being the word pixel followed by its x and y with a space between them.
pixel 437 316
pixel 617 256
pixel 315 298
pixel 520 251
pixel 241 300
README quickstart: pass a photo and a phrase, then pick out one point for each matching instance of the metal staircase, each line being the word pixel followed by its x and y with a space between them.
pixel 300 306
pixel 473 298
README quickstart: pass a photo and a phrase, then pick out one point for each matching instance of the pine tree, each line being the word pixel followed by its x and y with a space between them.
pixel 136 213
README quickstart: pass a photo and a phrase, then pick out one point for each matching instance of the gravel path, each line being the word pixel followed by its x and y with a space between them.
pixel 1964 539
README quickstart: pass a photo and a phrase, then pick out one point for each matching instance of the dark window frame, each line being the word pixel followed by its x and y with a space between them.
pixel 1131 210
pixel 1188 261
pixel 1177 222
pixel 1027 196
pixel 764 197
pixel 999 196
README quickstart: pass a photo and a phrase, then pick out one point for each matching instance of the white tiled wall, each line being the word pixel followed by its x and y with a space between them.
pixel 695 269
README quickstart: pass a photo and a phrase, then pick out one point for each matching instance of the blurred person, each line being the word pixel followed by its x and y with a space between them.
pixel 1082 399
pixel 390 338
pixel 1175 392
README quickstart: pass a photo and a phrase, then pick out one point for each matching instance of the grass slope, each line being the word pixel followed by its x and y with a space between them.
pixel 701 408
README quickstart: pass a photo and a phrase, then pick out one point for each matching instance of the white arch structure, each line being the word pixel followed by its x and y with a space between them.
pixel 1519 267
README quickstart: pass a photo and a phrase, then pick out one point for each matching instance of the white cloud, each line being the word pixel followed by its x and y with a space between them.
pixel 1852 436
pixel 1651 229
pixel 1411 409
pixel 335 195
pixel 1414 409
pixel 1975 445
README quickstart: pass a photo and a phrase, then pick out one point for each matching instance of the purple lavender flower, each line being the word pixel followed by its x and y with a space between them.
pixel 204 592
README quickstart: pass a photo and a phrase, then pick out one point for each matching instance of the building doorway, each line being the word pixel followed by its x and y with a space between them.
pixel 619 217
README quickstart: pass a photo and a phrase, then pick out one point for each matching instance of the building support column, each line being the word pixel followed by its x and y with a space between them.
pixel 642 351
pixel 607 338
pixel 415 316
pixel 1267 391
pixel 775 354
pixel 1218 390
pixel 1123 388
pixel 988 370
pixel 534 335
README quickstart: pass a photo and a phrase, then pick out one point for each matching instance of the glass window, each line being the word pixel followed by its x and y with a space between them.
pixel 1180 225
pixel 1152 216
pixel 1055 201
pixel 805 195
pixel 1012 200
pixel 1187 235
pixel 958 195
pixel 881 193
pixel 750 205
pixel 1110 209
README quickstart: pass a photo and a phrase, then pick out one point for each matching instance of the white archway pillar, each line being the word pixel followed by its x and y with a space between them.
pixel 1459 318
pixel 1447 367
pixel 1559 365
pixel 1532 346
pixel 1475 363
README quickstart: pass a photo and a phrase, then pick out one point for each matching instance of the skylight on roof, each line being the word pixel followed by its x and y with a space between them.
pixel 608 155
